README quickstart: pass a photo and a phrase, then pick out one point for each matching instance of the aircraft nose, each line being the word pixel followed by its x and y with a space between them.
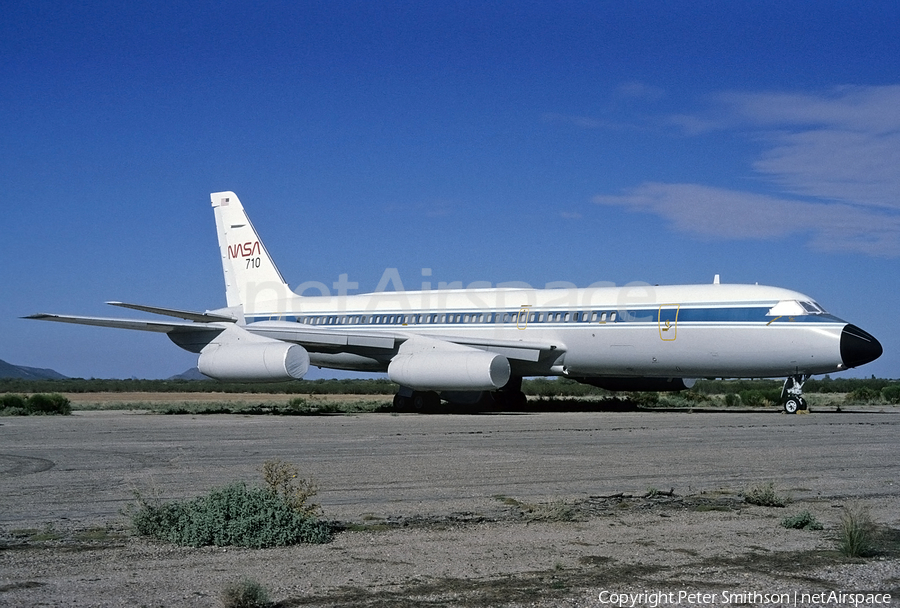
pixel 858 347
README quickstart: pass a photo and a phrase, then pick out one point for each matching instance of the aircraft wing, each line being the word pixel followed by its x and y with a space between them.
pixel 141 325
pixel 313 336
pixel 511 349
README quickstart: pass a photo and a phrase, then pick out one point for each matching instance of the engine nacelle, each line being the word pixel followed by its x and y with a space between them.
pixel 254 362
pixel 450 370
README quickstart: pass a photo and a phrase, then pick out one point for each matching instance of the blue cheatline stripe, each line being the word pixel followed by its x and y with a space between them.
pixel 753 314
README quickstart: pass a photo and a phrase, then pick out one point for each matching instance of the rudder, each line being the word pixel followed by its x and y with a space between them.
pixel 252 280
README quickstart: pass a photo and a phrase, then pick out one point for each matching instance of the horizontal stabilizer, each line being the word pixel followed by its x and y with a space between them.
pixel 199 317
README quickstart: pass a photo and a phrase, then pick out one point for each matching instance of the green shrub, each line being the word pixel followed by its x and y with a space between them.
pixel 13 411
pixel 232 515
pixel 12 400
pixel 644 398
pixel 732 399
pixel 856 536
pixel 13 405
pixel 760 397
pixel 300 406
pixel 801 521
pixel 38 404
pixel 891 393
pixel 764 495
pixel 245 593
pixel 48 404
pixel 863 395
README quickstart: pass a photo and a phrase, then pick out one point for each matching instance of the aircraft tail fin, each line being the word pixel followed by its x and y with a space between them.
pixel 252 280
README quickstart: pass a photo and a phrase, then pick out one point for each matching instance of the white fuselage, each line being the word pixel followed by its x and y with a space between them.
pixel 649 331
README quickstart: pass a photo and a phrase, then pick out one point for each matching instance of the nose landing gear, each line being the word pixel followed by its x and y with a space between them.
pixel 792 395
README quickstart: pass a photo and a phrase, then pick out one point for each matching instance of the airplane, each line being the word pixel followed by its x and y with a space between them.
pixel 463 345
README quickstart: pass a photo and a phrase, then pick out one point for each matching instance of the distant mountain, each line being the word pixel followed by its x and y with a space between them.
pixel 8 370
pixel 191 374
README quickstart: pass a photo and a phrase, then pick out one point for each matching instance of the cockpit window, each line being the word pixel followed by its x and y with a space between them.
pixel 812 308
pixel 794 308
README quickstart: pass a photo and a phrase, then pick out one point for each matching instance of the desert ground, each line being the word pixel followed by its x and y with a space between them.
pixel 558 509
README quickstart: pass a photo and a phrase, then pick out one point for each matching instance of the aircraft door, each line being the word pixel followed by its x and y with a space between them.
pixel 667 320
pixel 522 317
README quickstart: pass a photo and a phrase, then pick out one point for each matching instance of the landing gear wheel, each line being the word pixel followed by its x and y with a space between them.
pixel 792 394
pixel 510 397
pixel 401 403
pixel 425 401
pixel 516 400
pixel 791 405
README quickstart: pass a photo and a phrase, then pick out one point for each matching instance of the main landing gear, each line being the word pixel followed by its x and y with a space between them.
pixel 416 401
pixel 792 395
pixel 508 398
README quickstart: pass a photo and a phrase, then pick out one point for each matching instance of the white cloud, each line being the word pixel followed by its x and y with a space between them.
pixel 730 214
pixel 838 150
pixel 857 167
pixel 854 108
pixel 842 145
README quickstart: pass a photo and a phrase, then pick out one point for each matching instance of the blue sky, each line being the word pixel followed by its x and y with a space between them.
pixel 488 141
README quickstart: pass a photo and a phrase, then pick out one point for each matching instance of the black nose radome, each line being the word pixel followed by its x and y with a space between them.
pixel 858 347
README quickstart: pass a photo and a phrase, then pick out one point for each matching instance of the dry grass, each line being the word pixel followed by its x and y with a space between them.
pixel 856 534
pixel 84 401
pixel 283 479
